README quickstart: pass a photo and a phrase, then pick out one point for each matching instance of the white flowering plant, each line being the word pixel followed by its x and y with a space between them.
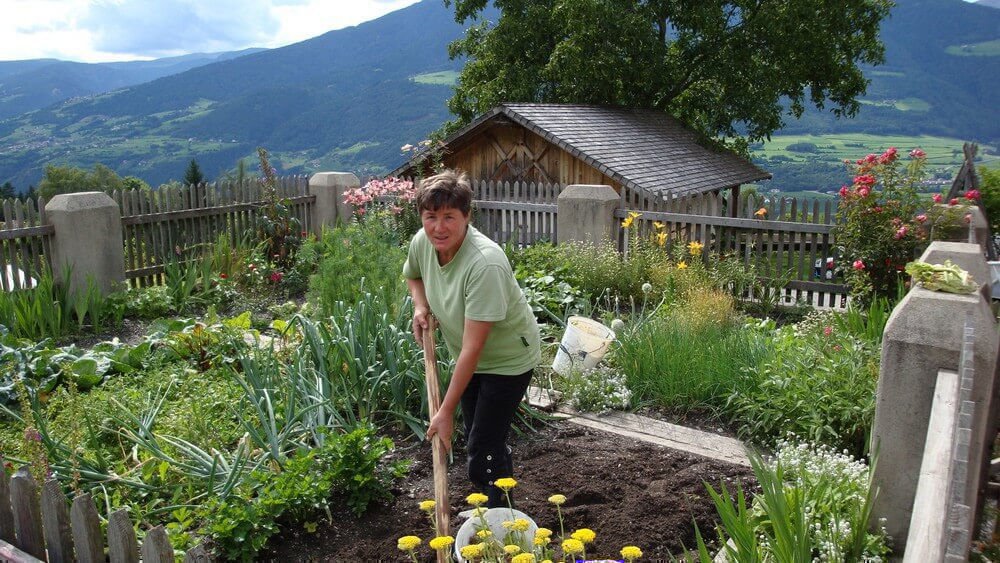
pixel 815 504
pixel 600 389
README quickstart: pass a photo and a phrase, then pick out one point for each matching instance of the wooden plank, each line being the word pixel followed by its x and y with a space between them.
pixel 929 520
pixel 86 526
pixel 27 516
pixel 122 545
pixel 187 214
pixel 11 554
pixel 55 523
pixel 6 515
pixel 156 547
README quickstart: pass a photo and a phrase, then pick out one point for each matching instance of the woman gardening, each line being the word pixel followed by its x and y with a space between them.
pixel 465 280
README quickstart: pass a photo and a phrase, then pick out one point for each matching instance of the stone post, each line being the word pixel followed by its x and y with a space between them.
pixel 87 239
pixel 587 213
pixel 924 335
pixel 329 189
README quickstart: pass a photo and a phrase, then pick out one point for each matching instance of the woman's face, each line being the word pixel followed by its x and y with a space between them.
pixel 445 228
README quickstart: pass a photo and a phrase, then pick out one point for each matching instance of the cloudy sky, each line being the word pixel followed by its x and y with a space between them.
pixel 115 30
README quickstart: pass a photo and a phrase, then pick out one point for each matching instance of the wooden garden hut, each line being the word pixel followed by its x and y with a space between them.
pixel 647 153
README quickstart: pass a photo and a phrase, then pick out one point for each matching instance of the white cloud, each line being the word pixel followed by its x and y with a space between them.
pixel 105 30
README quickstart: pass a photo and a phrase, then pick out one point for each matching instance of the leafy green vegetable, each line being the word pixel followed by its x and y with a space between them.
pixel 946 277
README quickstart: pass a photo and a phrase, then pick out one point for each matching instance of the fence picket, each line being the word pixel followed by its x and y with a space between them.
pixel 27 517
pixel 55 523
pixel 156 547
pixel 86 525
pixel 122 545
pixel 6 515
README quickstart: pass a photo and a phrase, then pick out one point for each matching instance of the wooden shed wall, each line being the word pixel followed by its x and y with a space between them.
pixel 509 152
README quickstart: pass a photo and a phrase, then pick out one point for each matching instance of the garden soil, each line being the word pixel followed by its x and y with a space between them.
pixel 628 492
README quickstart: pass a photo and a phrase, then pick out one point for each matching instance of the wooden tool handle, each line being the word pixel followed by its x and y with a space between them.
pixel 437 445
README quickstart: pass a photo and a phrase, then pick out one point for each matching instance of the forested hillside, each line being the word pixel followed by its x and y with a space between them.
pixel 347 100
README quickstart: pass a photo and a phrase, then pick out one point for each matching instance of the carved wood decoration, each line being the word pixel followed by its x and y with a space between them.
pixel 518 161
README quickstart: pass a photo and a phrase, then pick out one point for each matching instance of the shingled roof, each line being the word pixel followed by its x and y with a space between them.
pixel 644 150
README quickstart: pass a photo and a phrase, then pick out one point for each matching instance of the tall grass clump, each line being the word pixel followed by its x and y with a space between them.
pixel 693 355
pixel 357 259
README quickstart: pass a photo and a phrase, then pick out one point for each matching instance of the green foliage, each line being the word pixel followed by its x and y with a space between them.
pixel 816 383
pixel 68 179
pixel 51 310
pixel 356 259
pixel 678 360
pixel 675 58
pixel 193 175
pixel 814 504
pixel 876 231
pixel 989 189
pixel 349 465
pixel 802 147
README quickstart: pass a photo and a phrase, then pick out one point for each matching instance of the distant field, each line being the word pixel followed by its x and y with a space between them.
pixel 941 151
pixel 445 78
pixel 984 49
pixel 905 104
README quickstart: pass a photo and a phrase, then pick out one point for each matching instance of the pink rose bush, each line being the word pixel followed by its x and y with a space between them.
pixel 878 226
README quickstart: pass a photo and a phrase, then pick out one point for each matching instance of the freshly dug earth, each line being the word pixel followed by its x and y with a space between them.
pixel 628 492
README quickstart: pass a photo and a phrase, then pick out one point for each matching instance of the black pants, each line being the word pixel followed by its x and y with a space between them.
pixel 488 407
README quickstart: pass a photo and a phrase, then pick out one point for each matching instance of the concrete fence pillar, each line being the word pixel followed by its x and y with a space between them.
pixel 329 189
pixel 586 213
pixel 87 239
pixel 924 335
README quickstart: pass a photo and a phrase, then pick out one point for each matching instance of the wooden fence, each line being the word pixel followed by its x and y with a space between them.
pixel 25 237
pixel 517 213
pixel 44 526
pixel 167 224
pixel 783 239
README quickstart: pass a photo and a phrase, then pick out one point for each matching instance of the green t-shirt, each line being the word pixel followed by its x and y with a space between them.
pixel 478 284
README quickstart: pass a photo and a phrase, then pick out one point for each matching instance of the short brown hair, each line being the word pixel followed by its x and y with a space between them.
pixel 449 189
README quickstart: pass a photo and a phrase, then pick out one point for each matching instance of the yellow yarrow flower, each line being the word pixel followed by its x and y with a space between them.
pixel 472 551
pixel 543 533
pixel 661 239
pixel 484 534
pixel 505 484
pixel 511 549
pixel 586 535
pixel 631 552
pixel 427 505
pixel 521 525
pixel 441 542
pixel 572 546
pixel 408 543
pixel 541 540
pixel 682 265
pixel 476 499
pixel 695 248
pixel 523 558
pixel 557 499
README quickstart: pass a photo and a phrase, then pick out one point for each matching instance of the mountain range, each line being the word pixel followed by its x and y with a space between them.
pixel 348 99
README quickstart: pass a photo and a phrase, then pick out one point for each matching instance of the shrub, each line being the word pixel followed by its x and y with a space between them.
pixel 597 390
pixel 819 386
pixel 876 232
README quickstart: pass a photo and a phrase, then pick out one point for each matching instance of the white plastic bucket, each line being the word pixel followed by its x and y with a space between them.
pixel 583 345
pixel 495 517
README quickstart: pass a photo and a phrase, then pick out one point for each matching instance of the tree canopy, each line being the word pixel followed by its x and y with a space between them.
pixel 69 179
pixel 723 67
pixel 193 175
